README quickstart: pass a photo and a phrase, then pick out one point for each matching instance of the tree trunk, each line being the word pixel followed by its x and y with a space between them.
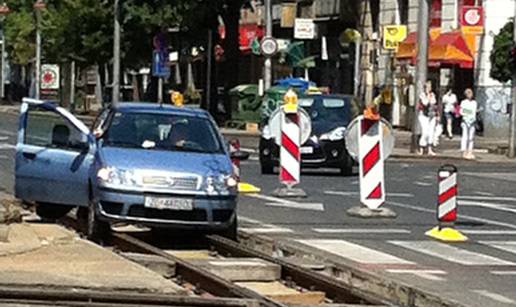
pixel 66 82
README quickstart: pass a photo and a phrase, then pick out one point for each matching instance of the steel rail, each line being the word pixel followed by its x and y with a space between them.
pixel 81 297
pixel 197 276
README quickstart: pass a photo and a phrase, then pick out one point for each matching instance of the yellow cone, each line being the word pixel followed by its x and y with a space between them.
pixel 446 234
pixel 248 188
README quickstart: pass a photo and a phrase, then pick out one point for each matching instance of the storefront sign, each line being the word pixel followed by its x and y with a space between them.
pixel 393 35
pixel 472 19
pixel 49 77
pixel 304 28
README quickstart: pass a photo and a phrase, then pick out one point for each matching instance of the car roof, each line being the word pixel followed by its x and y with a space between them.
pixel 150 107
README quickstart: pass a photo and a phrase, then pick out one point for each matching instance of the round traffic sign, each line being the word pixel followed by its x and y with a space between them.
pixel 304 122
pixel 352 138
pixel 269 46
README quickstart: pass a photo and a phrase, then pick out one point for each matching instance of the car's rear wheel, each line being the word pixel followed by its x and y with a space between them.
pixel 52 212
pixel 347 167
pixel 267 169
pixel 96 230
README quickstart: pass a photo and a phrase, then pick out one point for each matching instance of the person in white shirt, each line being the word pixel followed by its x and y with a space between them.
pixel 449 103
pixel 468 111
pixel 428 118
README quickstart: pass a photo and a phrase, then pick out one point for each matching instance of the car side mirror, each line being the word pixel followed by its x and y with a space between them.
pixel 239 155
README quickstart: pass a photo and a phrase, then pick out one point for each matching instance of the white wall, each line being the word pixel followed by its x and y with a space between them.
pixel 493 95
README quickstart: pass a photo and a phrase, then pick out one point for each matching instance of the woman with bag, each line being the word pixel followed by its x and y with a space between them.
pixel 428 117
pixel 468 110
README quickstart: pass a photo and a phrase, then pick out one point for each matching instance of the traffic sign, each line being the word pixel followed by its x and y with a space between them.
pixel 304 28
pixel 352 138
pixel 49 77
pixel 269 46
pixel 304 122
pixel 160 67
pixel 393 35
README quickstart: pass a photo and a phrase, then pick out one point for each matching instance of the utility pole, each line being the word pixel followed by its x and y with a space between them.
pixel 38 6
pixel 209 59
pixel 116 57
pixel 512 132
pixel 267 69
pixel 4 11
pixel 422 63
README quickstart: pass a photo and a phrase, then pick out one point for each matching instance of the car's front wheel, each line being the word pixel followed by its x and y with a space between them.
pixel 52 212
pixel 232 231
pixel 96 230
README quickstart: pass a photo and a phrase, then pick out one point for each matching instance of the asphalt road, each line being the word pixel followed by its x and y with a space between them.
pixel 481 272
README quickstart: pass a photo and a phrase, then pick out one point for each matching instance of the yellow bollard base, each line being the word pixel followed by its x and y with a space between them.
pixel 248 188
pixel 446 234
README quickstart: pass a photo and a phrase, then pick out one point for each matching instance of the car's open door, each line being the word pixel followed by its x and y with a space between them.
pixel 54 155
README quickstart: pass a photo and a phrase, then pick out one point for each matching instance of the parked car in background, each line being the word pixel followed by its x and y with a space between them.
pixel 329 115
pixel 147 164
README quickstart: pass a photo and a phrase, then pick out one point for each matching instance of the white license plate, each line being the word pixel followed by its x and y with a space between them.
pixel 307 150
pixel 168 203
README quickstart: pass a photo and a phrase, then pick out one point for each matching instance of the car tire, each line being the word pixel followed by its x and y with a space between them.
pixel 347 168
pixel 267 169
pixel 52 212
pixel 232 231
pixel 96 230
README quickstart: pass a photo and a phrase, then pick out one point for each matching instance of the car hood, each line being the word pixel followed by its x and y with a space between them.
pixel 169 161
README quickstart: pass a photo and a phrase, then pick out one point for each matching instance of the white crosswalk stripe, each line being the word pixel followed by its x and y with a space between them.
pixel 354 252
pixel 495 296
pixel 507 246
pixel 451 253
pixel 361 230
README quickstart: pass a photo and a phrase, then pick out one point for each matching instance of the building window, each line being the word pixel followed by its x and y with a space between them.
pixel 436 13
pixel 404 11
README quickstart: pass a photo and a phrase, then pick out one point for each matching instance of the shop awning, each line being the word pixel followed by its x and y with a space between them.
pixel 446 49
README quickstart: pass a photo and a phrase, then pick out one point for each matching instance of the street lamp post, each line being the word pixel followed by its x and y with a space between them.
pixel 38 6
pixel 115 95
pixel 422 62
pixel 512 136
pixel 4 11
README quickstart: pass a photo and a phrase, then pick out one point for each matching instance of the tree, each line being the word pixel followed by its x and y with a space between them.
pixel 502 60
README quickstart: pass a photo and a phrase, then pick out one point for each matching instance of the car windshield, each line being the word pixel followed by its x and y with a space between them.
pixel 331 110
pixel 163 132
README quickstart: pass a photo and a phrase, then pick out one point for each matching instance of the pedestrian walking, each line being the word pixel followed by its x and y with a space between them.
pixel 450 104
pixel 468 111
pixel 428 118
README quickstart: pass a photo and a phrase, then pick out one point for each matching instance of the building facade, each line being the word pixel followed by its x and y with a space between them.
pixel 445 18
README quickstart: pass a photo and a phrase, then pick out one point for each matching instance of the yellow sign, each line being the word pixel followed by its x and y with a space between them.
pixel 393 36
pixel 290 100
pixel 177 99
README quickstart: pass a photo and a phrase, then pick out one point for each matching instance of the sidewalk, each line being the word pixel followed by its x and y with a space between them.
pixel 39 254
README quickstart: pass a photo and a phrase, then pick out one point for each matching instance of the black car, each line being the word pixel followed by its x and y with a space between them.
pixel 330 115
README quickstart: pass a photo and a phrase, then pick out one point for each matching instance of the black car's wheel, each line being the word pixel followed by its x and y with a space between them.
pixel 347 167
pixel 232 231
pixel 52 212
pixel 96 230
pixel 267 169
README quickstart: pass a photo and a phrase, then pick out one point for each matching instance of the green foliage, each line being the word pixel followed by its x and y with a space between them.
pixel 19 30
pixel 501 61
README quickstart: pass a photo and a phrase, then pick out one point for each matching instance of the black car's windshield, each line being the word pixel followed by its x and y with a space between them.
pixel 329 110
pixel 162 132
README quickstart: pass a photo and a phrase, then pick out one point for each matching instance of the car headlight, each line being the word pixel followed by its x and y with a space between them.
pixel 334 135
pixel 266 132
pixel 114 176
pixel 221 183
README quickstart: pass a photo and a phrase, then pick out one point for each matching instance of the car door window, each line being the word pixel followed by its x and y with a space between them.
pixel 48 129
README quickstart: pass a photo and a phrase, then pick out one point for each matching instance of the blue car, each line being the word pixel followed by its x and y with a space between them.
pixel 142 163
